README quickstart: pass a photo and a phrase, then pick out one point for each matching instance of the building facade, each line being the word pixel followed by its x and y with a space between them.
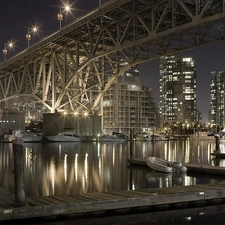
pixel 128 104
pixel 84 125
pixel 10 120
pixel 217 98
pixel 177 90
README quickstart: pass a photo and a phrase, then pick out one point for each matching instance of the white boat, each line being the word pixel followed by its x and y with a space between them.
pixel 202 136
pixel 112 138
pixel 64 136
pixel 32 137
pixel 165 166
pixel 159 164
pixel 158 137
pixel 26 136
pixel 141 138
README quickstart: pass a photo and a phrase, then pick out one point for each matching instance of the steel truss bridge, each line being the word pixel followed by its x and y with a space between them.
pixel 72 68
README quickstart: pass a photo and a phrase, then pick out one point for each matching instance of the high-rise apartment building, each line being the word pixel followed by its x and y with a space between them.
pixel 128 104
pixel 217 98
pixel 177 89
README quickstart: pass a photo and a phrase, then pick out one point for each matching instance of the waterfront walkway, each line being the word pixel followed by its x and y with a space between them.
pixel 122 202
pixel 116 202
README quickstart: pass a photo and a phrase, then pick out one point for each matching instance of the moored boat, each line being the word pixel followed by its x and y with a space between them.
pixel 202 136
pixel 159 164
pixel 32 137
pixel 158 137
pixel 26 136
pixel 141 138
pixel 64 136
pixel 112 138
pixel 165 166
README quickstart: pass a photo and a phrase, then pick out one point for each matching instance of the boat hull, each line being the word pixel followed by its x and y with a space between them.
pixel 142 139
pixel 64 136
pixel 112 138
pixel 159 165
pixel 63 139
pixel 26 136
pixel 32 139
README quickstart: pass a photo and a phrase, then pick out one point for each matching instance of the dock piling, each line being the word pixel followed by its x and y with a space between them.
pixel 217 137
pixel 18 154
pixel 131 143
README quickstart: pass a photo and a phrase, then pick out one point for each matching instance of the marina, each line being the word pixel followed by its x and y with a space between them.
pixel 72 92
pixel 110 194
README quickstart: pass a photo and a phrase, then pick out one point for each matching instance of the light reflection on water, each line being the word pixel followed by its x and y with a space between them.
pixel 185 151
pixel 72 168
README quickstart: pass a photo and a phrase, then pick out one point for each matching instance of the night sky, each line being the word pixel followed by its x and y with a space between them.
pixel 17 16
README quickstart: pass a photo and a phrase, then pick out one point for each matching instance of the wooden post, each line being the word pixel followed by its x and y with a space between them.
pixel 131 143
pixel 18 154
pixel 217 137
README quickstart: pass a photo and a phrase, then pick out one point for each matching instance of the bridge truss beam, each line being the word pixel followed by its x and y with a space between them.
pixel 72 68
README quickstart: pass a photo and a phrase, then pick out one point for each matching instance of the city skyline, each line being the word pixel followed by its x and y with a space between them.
pixel 18 16
pixel 208 58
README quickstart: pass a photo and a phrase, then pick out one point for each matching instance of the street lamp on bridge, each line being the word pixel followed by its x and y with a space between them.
pixel 60 14
pixel 28 35
pixel 6 47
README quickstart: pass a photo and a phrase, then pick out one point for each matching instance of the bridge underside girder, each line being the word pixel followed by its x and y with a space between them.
pixel 72 68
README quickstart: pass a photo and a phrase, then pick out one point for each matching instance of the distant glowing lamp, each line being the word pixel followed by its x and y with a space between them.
pixel 5 50
pixel 60 14
pixel 28 35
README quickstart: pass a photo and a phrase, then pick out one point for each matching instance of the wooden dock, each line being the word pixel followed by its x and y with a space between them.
pixel 122 202
pixel 219 155
pixel 197 168
pixel 116 202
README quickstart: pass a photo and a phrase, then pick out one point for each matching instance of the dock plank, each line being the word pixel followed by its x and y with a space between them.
pixel 58 199
pixel 46 200
pixel 121 194
pixel 117 195
pixel 109 196
pixel 71 199
pixel 33 202
pixel 136 193
pixel 101 196
pixel 93 196
pixel 83 197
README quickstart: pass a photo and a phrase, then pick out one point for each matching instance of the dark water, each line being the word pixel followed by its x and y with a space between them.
pixel 212 215
pixel 71 168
